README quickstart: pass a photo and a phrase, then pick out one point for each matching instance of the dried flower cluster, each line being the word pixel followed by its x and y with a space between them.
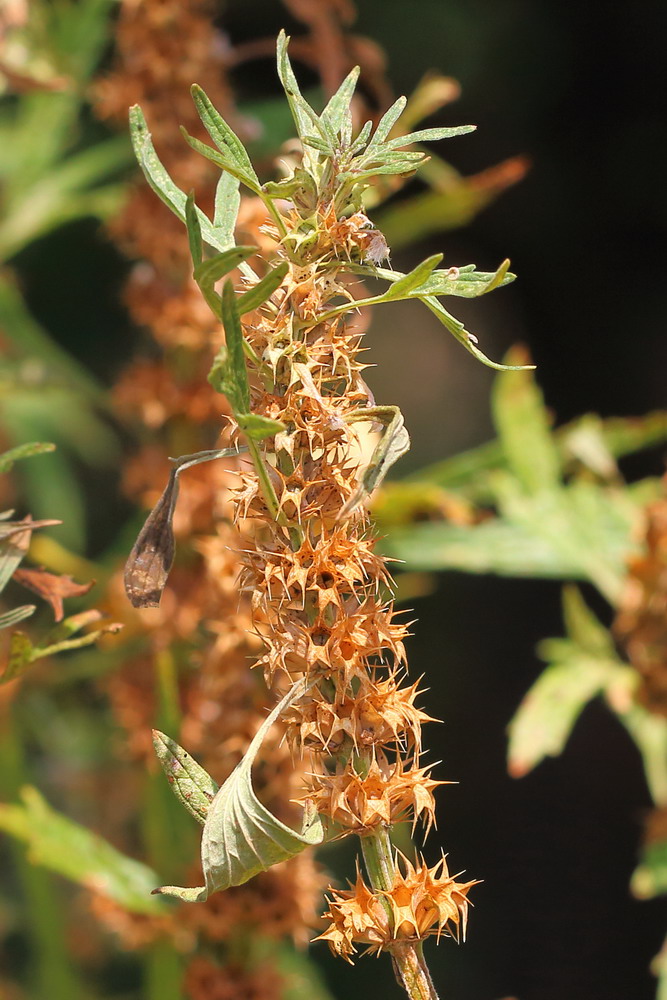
pixel 321 596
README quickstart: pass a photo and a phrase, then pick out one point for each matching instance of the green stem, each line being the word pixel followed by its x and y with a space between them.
pixel 407 957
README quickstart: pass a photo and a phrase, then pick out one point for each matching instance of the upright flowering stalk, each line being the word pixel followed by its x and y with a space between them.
pixel 321 594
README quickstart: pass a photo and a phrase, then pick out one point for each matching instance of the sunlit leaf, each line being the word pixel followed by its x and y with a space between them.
pixel 338 106
pixel 264 289
pixel 224 160
pixel 223 136
pixel 427 134
pixel 458 330
pixel 191 784
pixel 257 427
pixel 241 836
pixel 57 843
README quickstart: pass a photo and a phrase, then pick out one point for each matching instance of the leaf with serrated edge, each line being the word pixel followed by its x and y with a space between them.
pixel 191 784
pixel 150 560
pixel 394 443
pixel 241 836
pixel 57 843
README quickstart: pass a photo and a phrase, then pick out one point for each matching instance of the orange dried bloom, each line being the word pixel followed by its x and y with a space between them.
pixel 424 901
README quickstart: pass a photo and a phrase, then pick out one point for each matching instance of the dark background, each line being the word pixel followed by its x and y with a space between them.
pixel 580 90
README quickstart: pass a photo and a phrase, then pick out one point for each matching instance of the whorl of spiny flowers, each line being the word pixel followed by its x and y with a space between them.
pixel 321 594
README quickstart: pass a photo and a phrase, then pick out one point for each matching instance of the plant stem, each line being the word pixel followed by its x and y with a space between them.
pixel 407 957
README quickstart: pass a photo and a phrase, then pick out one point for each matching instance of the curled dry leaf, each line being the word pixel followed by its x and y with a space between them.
pixel 52 587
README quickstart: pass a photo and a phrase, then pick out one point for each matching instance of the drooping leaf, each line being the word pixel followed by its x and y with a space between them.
pixel 52 587
pixel 8 458
pixel 394 443
pixel 191 784
pixel 458 330
pixel 241 836
pixel 57 843
pixel 151 558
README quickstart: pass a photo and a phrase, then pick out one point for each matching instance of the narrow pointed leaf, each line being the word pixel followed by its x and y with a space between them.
pixel 414 279
pixel 241 837
pixel 209 271
pixel 264 289
pixel 363 137
pixel 426 134
pixel 222 135
pixel 225 161
pixel 151 558
pixel 387 122
pixel 194 230
pixel 57 843
pixel 302 113
pixel 339 104
pixel 458 330
pixel 227 202
pixel 235 377
pixel 21 451
pixel 158 178
pixel 394 443
pixel 191 784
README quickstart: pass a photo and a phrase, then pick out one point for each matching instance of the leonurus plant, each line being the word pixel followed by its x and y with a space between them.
pixel 291 370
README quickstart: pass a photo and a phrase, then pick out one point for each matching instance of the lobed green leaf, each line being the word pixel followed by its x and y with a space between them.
pixel 223 136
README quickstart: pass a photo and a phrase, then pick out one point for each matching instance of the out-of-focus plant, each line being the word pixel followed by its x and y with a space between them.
pixel 539 502
pixel 54 169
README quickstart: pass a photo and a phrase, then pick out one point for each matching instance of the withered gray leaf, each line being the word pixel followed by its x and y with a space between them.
pixel 394 443
pixel 151 558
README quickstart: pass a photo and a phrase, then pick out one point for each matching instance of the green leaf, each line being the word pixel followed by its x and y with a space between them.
pixel 426 134
pixel 458 330
pixel 191 784
pixel 407 283
pixel 264 289
pixel 649 879
pixel 209 271
pixel 338 108
pixel 16 615
pixel 57 843
pixel 224 138
pixel 194 230
pixel 8 458
pixel 524 427
pixel 542 725
pixel 149 563
pixel 394 443
pixel 302 113
pixel 241 837
pixel 257 427
pixel 387 122
pixel 223 160
pixel 468 283
pixel 235 384
pixel 159 179
pixel 227 203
